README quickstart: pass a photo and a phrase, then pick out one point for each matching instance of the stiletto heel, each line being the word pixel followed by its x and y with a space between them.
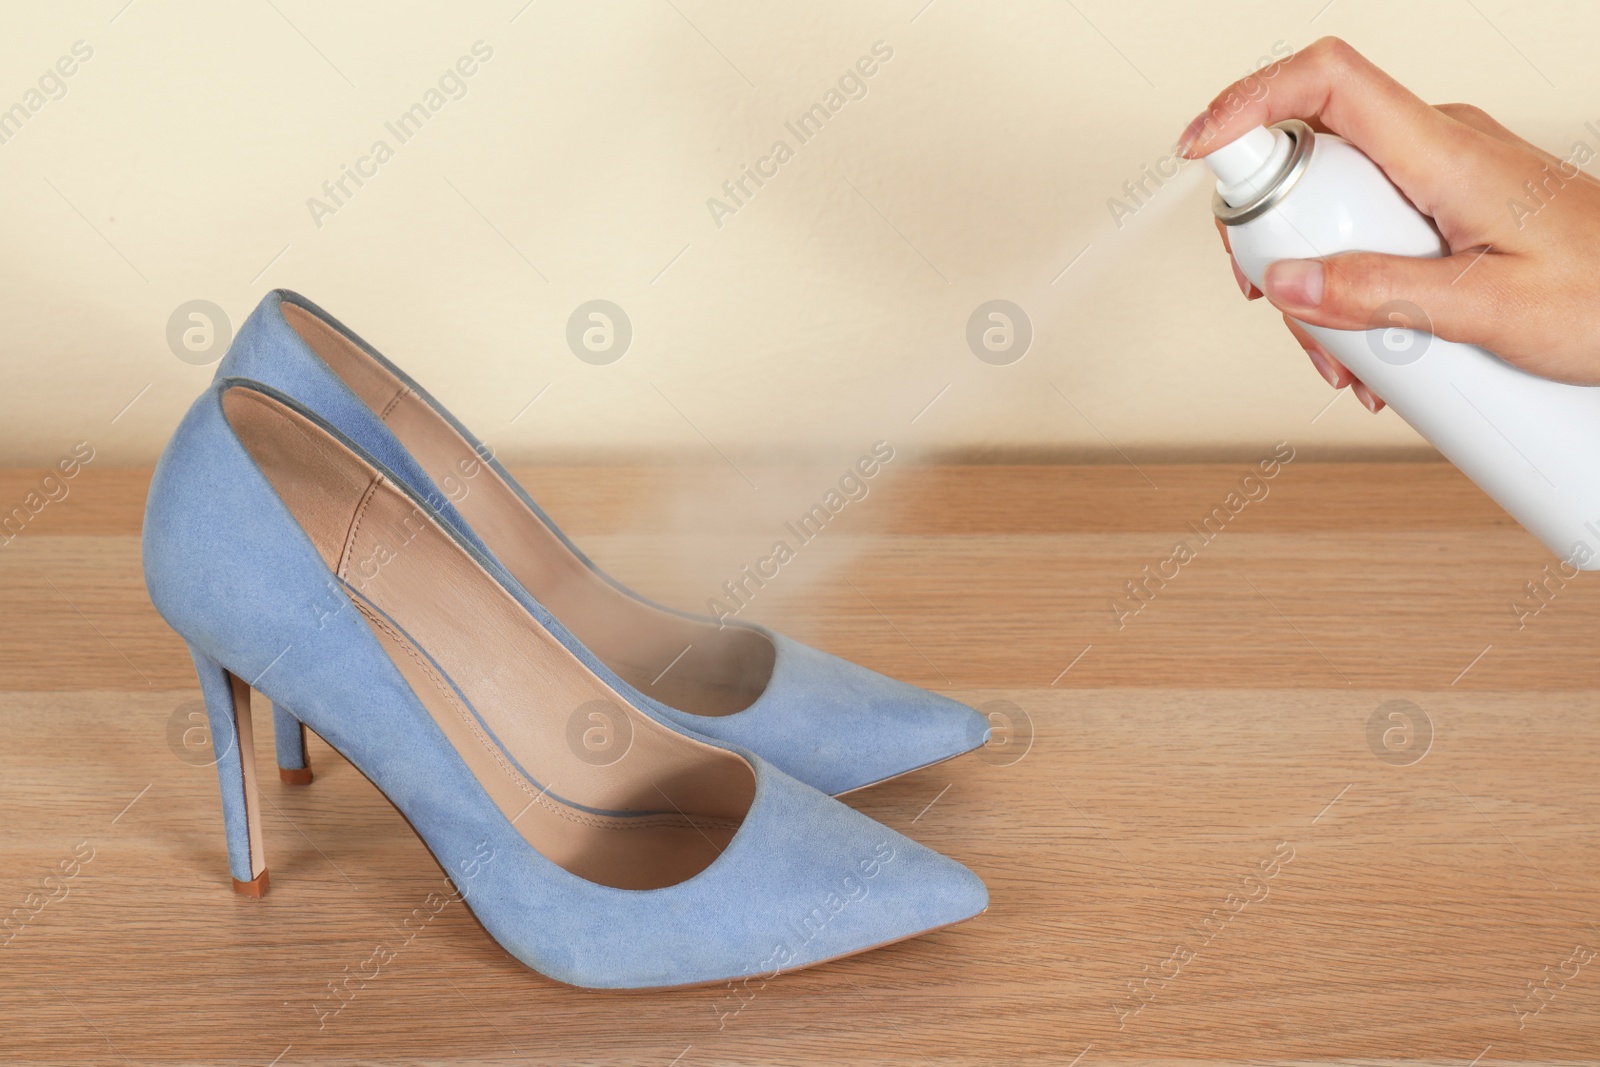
pixel 227 701
pixel 289 739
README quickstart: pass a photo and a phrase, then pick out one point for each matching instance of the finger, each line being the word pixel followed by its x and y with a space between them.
pixel 1346 292
pixel 1368 398
pixel 1328 84
pixel 1245 285
pixel 1336 373
pixel 1418 146
pixel 1222 231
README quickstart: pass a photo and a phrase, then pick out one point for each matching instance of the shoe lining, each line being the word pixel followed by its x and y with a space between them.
pixel 591 782
pixel 686 663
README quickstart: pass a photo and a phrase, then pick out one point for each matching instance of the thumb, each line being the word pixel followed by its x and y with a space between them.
pixel 1366 291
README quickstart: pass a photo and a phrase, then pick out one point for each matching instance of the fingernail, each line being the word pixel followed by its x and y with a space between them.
pixel 1324 368
pixel 1363 394
pixel 1191 132
pixel 1295 282
pixel 1238 276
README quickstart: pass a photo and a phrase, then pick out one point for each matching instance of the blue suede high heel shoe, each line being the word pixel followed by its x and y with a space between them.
pixel 827 722
pixel 597 842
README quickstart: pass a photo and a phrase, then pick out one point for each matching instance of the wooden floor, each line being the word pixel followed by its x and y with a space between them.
pixel 1326 797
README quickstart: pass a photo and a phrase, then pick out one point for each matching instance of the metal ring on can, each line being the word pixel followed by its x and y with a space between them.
pixel 1302 138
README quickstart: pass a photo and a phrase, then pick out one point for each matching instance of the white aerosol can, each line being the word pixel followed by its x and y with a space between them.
pixel 1530 443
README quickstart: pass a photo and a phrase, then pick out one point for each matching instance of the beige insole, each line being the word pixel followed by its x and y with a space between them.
pixel 574 759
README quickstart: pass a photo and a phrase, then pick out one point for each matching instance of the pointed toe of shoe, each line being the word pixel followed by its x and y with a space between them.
pixel 805 880
pixel 837 726
pixel 906 728
pixel 916 891
pixel 950 727
pixel 846 883
pixel 943 893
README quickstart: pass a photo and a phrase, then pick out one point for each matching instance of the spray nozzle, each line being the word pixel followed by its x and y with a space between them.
pixel 1246 167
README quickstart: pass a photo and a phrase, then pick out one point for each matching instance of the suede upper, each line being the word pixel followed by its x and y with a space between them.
pixel 830 723
pixel 803 879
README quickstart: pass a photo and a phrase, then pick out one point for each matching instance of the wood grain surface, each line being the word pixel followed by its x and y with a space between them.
pixel 1329 797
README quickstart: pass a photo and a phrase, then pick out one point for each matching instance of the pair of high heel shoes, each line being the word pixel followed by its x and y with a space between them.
pixel 625 796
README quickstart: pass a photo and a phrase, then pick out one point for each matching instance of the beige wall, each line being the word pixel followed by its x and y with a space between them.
pixel 824 314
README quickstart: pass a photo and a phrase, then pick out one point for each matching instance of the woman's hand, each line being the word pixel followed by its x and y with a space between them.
pixel 1523 226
